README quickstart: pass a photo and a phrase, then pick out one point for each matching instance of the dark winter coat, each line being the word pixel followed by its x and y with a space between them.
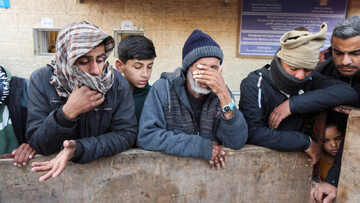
pixel 106 130
pixel 259 97
pixel 17 102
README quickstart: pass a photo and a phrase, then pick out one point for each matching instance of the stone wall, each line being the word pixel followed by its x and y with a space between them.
pixel 252 174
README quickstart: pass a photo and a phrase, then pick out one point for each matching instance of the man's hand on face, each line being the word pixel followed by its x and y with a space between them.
pixel 218 157
pixel 56 165
pixel 314 152
pixel 279 113
pixel 320 189
pixel 22 155
pixel 81 100
pixel 211 78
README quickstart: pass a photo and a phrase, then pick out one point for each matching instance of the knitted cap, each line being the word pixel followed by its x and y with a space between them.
pixel 200 45
pixel 301 49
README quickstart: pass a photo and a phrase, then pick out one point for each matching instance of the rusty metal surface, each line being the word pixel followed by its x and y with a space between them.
pixel 345 109
pixel 252 174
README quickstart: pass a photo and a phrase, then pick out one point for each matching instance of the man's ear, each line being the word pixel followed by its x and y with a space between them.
pixel 119 66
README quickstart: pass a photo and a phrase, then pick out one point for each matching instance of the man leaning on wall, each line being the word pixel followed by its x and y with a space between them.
pixel 276 98
pixel 190 112
pixel 344 65
pixel 79 104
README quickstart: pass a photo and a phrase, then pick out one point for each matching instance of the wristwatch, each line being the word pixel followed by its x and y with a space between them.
pixel 228 107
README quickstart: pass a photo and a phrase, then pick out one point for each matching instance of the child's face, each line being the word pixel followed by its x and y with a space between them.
pixel 332 140
pixel 137 72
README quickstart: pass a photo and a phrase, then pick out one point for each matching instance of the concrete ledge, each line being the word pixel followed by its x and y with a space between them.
pixel 252 174
pixel 349 184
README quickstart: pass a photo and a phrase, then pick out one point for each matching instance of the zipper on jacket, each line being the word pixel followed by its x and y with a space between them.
pixel 97 112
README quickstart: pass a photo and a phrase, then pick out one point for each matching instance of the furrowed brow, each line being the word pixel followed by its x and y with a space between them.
pixel 336 50
pixel 355 51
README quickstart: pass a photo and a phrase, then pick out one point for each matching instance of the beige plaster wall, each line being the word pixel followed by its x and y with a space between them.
pixel 167 22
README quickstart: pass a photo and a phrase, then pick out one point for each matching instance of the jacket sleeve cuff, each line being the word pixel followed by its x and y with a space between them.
pixel 231 120
pixel 207 149
pixel 292 105
pixel 78 151
pixel 63 120
pixel 308 144
pixel 331 180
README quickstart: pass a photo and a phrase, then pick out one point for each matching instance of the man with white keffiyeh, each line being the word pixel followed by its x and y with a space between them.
pixel 78 104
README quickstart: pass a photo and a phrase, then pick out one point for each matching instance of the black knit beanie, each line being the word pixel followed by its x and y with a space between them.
pixel 200 45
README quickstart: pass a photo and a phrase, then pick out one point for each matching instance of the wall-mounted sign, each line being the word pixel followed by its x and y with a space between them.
pixel 264 22
pixel 4 3
pixel 47 22
pixel 127 25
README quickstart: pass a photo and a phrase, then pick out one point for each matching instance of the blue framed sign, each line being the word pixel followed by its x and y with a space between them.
pixel 263 22
pixel 4 3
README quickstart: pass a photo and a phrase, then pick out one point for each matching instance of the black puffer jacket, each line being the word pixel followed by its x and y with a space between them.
pixel 259 97
pixel 106 130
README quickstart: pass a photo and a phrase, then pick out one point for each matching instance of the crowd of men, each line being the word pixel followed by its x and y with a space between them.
pixel 84 109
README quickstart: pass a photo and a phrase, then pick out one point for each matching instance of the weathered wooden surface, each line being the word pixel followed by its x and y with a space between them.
pixel 252 174
pixel 349 183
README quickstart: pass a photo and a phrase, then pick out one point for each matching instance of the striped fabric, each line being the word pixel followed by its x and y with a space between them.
pixel 179 117
pixel 4 85
pixel 75 40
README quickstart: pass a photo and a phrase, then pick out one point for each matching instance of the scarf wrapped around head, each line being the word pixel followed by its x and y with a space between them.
pixel 301 49
pixel 75 40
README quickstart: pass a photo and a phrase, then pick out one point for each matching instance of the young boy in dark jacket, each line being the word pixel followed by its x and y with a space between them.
pixel 136 60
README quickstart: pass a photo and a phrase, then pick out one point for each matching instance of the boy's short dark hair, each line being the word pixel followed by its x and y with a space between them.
pixel 136 47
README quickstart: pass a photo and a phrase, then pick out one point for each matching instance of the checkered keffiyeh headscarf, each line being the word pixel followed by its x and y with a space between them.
pixel 75 40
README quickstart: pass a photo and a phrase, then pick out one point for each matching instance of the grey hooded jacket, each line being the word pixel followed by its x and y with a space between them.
pixel 168 124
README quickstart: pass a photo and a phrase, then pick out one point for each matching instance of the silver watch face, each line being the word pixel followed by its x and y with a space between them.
pixel 226 109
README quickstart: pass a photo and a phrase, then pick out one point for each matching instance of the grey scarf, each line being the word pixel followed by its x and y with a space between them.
pixel 283 80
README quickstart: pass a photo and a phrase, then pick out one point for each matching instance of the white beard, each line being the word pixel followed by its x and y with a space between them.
pixel 197 87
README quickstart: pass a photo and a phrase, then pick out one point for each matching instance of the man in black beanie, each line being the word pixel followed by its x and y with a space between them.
pixel 191 112
pixel 275 98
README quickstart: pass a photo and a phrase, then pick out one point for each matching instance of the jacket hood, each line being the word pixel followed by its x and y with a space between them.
pixel 177 73
pixel 8 73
